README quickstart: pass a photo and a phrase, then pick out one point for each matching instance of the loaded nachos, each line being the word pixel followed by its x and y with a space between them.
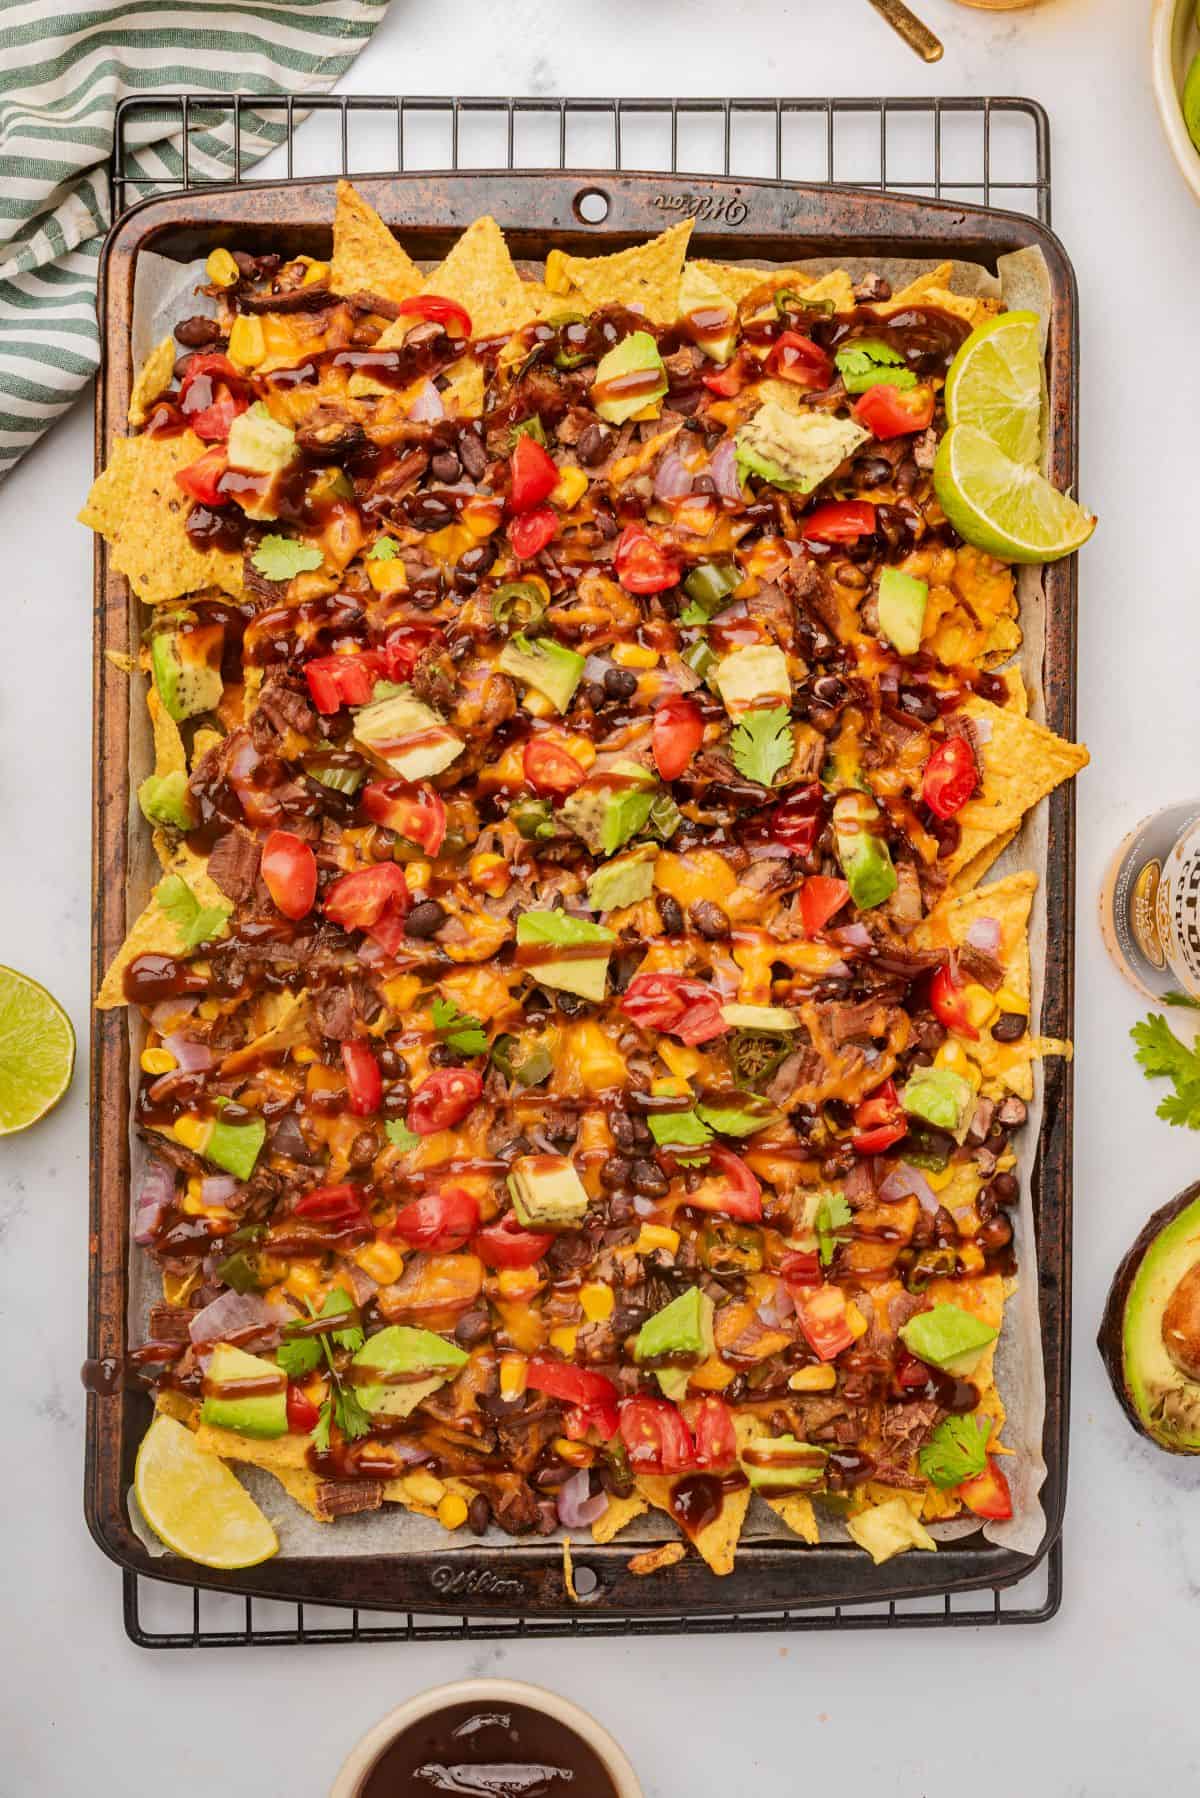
pixel 581 1061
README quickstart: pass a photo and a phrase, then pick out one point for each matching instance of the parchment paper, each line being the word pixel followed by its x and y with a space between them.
pixel 163 293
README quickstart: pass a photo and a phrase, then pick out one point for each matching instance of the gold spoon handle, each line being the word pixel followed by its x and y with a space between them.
pixel 917 36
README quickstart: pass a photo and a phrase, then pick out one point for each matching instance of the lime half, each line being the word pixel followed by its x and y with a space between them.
pixel 37 1051
pixel 997 383
pixel 194 1504
pixel 1002 506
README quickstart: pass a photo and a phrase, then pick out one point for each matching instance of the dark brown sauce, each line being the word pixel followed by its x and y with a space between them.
pixel 511 1751
pixel 149 978
pixel 697 1500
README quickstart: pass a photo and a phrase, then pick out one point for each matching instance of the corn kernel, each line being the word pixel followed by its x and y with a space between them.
pixel 577 1454
pixel 822 1378
pixel 177 1288
pixel 192 1202
pixel 450 543
pixel 425 1487
pixel 272 1269
pixel 712 1375
pixel 538 706
pixel 583 749
pixel 481 517
pixel 971 1259
pixel 597 1301
pixel 452 1511
pixel 563 1339
pixel 572 485
pixel 681 1061
pixel 381 1261
pixel 652 410
pixel 418 875
pixel 939 1180
pixel 304 1056
pixel 656 1236
pixel 157 1061
pixel 388 577
pixel 303 1279
pixel 952 1055
pixel 208 1009
pixel 513 1371
pixel 221 269
pixel 979 1005
pixel 193 1132
pixel 490 872
pixel 1007 1000
pixel 856 1323
pixel 634 655
pixel 316 271
pixel 517 1282
pixel 247 344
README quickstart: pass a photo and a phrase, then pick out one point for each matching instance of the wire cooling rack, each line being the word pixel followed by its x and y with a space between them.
pixel 991 152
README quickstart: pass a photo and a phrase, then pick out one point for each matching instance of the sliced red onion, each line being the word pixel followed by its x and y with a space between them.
pixel 643 1206
pixel 192 1057
pixel 170 1011
pixel 157 1191
pixel 905 1181
pixel 217 1189
pixel 775 1311
pixel 372 954
pixel 244 761
pixel 982 728
pixel 853 936
pixel 577 1509
pixel 724 471
pixel 985 934
pixel 427 408
pixel 672 480
pixel 858 1183
pixel 236 1316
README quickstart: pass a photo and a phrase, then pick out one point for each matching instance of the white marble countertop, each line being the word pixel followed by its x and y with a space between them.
pixel 1099 1702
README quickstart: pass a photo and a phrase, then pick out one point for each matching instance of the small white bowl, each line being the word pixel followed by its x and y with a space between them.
pixel 364 1755
pixel 1174 40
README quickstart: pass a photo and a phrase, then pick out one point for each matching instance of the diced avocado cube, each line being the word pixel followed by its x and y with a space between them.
pixel 706 314
pixel 902 602
pixel 940 1096
pixel 408 735
pixel 548 667
pixel 623 882
pixel 682 1331
pixel 258 443
pixel 407 1354
pixel 865 857
pixel 948 1337
pixel 759 1017
pixel 187 669
pixel 795 450
pixel 611 807
pixel 782 1463
pixel 547 1193
pixel 628 378
pixel 753 677
pixel 583 974
pixel 164 799
pixel 261 1414
pixel 868 361
pixel 235 1147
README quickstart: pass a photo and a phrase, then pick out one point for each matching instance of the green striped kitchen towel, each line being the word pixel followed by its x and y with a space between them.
pixel 62 73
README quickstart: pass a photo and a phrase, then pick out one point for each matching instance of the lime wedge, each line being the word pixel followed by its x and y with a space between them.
pixel 194 1504
pixel 997 383
pixel 1002 506
pixel 37 1051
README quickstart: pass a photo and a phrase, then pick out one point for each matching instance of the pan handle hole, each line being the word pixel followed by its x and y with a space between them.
pixel 587 1583
pixel 591 205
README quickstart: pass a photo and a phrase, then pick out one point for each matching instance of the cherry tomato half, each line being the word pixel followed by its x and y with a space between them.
pixel 404 646
pixel 359 900
pixel 418 813
pixel 892 412
pixel 823 1320
pixel 302 1414
pixel 211 396
pixel 289 868
pixel 363 1079
pixel 443 1099
pixel 441 1221
pixel 532 531
pixel 642 565
pixel 550 769
pixel 431 306
pixel 656 1438
pixel 797 822
pixel 202 478
pixel 685 1008
pixel 841 521
pixel 801 361
pixel 729 1188
pixel 332 1204
pixel 949 1003
pixel 533 475
pixel 573 1385
pixel 677 734
pixel 950 777
pixel 335 681
pixel 879 1121
pixel 506 1244
pixel 716 1441
pixel 821 898
pixel 727 381
pixel 988 1494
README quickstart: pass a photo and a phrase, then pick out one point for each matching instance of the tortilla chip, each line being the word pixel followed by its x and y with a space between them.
pixel 717 1541
pixel 287 1452
pixel 202 742
pixel 140 511
pixel 366 257
pixel 481 276
pixel 977 867
pixel 653 1560
pixel 179 1406
pixel 177 858
pixel 1020 762
pixel 169 755
pixel 938 1505
pixel 972 618
pixel 151 933
pixel 889 1529
pixel 302 1485
pixel 292 1029
pixel 933 289
pixel 797 1512
pixel 154 378
pixel 644 277
pixel 735 280
pixel 1018 693
pixel 463 397
pixel 836 286
pixel 620 1513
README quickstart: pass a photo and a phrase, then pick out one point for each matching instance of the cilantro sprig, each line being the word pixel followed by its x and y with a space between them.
pixel 956 1451
pixel 833 1220
pixel 1162 1056
pixel 458 1029
pixel 399 1134
pixel 278 558
pixel 299 1356
pixel 762 744
pixel 195 923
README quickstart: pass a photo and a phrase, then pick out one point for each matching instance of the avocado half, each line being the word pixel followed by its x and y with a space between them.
pixel 1149 1336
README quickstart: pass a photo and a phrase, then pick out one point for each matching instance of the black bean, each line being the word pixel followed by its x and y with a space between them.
pixel 472 1327
pixel 907 475
pixel 1005 1187
pixel 425 919
pixel 445 466
pixel 194 333
pixel 620 683
pixel 593 692
pixel 472 453
pixel 615 1172
pixel 592 446
pixel 648 1179
pixel 606 519
pixel 1010 1026
pixel 1012 1112
pixel 395 1100
pixel 247 264
pixel 479 1513
pixel 443 1056
pixel 873 471
pixel 621 1125
pixel 363 1149
pixel 709 920
pixel 570 1004
pixel 476 561
pixel 996 1234
pixel 388 1062
pixel 671 913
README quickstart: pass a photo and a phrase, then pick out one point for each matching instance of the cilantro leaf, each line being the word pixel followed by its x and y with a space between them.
pixel 298 1358
pixel 1182 1106
pixel 320 1435
pixel 1160 1053
pixel 337 1303
pixel 458 1029
pixel 384 549
pixel 195 923
pixel 399 1134
pixel 956 1451
pixel 279 558
pixel 669 1128
pixel 349 1415
pixel 833 1217
pixel 762 744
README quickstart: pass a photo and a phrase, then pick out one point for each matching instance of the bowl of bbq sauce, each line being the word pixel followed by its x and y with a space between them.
pixel 487 1738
